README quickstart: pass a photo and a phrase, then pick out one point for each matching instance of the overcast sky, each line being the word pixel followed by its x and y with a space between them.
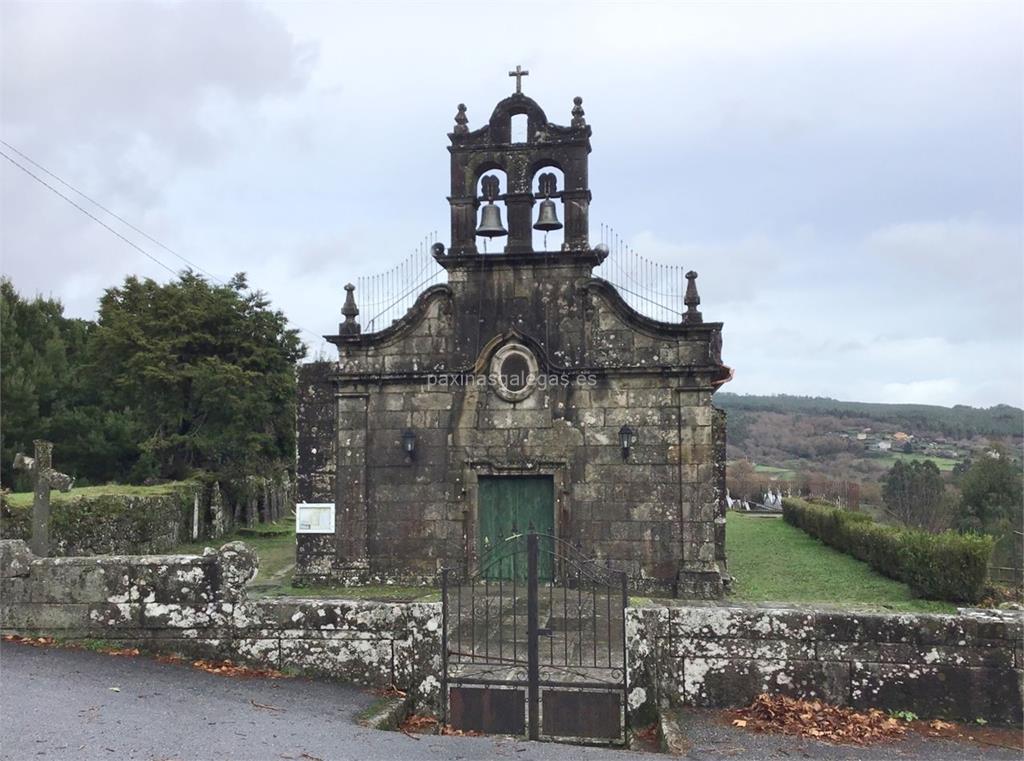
pixel 847 179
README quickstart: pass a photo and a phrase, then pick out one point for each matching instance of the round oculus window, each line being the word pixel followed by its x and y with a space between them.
pixel 514 372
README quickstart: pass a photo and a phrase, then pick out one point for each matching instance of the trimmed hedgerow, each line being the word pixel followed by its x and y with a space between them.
pixel 947 566
pixel 125 520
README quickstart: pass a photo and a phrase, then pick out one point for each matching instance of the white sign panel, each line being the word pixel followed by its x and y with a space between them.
pixel 314 518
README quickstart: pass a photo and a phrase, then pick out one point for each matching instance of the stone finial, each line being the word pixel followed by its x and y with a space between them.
pixel 349 311
pixel 577 112
pixel 461 121
pixel 692 300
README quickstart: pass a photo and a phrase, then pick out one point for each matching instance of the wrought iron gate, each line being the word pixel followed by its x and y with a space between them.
pixel 546 659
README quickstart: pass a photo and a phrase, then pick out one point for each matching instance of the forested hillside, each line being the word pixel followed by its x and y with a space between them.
pixel 831 443
pixel 959 421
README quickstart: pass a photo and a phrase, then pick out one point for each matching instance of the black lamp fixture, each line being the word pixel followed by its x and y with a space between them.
pixel 409 445
pixel 626 439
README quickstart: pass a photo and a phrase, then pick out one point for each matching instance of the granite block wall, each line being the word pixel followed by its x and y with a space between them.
pixel 965 666
pixel 197 606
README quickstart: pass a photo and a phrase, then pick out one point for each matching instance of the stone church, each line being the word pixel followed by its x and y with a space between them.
pixel 522 392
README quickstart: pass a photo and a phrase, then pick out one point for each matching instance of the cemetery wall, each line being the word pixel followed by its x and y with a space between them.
pixel 196 606
pixel 155 521
pixel 965 666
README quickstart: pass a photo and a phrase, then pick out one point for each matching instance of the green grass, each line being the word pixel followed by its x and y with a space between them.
pixel 24 499
pixel 784 474
pixel 275 545
pixel 772 561
pixel 942 463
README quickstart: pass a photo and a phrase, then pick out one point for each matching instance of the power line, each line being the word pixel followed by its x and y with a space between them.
pixel 99 221
pixel 87 213
pixel 115 215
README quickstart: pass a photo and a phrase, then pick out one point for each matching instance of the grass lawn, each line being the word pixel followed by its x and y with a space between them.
pixel 772 561
pixel 24 498
pixel 275 545
pixel 784 474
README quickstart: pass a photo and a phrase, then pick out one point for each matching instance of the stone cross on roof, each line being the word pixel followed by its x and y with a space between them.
pixel 519 73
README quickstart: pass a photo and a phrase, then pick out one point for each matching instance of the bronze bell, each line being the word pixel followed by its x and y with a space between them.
pixel 490 222
pixel 547 218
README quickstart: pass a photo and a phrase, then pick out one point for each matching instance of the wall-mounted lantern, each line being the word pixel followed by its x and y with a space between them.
pixel 626 440
pixel 409 445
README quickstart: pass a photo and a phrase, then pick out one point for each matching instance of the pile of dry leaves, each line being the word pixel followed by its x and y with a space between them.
pixel 419 725
pixel 812 718
pixel 428 725
pixel 227 668
pixel 33 641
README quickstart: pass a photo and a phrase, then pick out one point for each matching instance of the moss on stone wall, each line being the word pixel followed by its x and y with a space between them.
pixel 110 520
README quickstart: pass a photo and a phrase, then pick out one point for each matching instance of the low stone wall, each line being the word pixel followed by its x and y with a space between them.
pixel 154 522
pixel 196 606
pixel 965 666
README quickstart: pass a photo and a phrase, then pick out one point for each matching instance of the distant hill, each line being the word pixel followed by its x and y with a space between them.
pixel 959 421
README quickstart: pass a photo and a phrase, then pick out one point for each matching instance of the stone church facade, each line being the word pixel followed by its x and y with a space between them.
pixel 523 392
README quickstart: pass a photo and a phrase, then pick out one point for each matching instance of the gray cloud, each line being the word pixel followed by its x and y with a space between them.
pixel 847 187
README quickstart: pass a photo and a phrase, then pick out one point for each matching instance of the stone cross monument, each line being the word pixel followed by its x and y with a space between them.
pixel 44 478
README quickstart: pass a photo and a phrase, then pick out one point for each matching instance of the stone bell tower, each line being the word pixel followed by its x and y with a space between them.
pixel 476 152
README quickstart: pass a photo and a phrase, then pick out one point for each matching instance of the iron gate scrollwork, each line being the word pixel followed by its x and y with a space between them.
pixel 544 657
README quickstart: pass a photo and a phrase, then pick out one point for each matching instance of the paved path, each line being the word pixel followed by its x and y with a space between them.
pixel 58 704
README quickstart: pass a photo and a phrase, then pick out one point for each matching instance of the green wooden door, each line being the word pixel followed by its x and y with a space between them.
pixel 519 501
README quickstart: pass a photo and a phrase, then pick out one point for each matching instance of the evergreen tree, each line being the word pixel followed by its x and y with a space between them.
pixel 991 495
pixel 39 351
pixel 171 378
pixel 913 493
pixel 207 372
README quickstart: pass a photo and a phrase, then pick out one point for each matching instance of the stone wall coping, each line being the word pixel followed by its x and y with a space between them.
pixel 813 609
pixel 718 622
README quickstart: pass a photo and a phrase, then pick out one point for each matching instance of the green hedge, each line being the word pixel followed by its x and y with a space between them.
pixel 108 520
pixel 947 566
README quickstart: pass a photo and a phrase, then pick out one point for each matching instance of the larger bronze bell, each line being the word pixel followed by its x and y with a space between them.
pixel 490 222
pixel 547 218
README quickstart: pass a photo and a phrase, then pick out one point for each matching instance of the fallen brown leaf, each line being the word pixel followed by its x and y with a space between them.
pixel 33 641
pixel 267 707
pixel 419 724
pixel 125 652
pixel 227 668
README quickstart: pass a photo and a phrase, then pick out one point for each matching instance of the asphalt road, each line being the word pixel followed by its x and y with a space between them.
pixel 59 704
pixel 72 704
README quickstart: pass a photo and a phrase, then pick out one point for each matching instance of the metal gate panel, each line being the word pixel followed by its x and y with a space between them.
pixel 489 710
pixel 582 714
